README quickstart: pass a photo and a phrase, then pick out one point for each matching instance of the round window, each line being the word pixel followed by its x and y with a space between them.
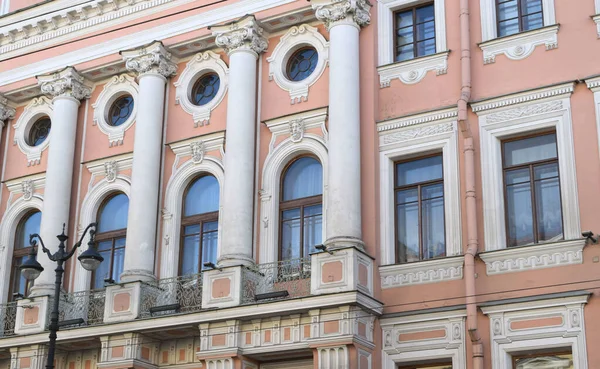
pixel 120 110
pixel 205 89
pixel 39 131
pixel 302 63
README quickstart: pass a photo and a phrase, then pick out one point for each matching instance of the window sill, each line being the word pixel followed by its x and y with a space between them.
pixel 414 70
pixel 429 271
pixel 540 256
pixel 520 45
pixel 596 19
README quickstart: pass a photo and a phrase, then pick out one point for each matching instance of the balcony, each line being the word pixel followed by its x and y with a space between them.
pixel 169 296
pixel 8 315
pixel 276 281
pixel 84 308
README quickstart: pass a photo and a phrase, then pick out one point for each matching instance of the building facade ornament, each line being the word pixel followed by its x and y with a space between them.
pixel 197 151
pixel 27 188
pixel 150 59
pixel 65 83
pixel 296 129
pixel 111 169
pixel 334 12
pixel 6 111
pixel 242 35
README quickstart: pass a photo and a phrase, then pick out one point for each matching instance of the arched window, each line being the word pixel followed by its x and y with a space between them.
pixel 199 226
pixel 301 208
pixel 110 238
pixel 29 224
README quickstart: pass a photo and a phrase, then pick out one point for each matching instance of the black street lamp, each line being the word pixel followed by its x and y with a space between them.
pixel 90 260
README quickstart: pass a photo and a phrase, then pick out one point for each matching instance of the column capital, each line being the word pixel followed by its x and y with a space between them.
pixel 6 111
pixel 334 12
pixel 152 58
pixel 64 83
pixel 244 34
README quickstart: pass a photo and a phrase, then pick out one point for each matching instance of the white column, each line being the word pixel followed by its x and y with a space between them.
pixel 67 87
pixel 243 41
pixel 153 65
pixel 343 20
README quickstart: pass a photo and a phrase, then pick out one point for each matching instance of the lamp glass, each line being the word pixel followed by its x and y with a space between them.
pixel 30 273
pixel 90 259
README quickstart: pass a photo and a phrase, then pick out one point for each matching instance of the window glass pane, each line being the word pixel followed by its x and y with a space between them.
pixel 434 241
pixel 406 196
pixel 426 48
pixel 113 215
pixel 421 170
pixel 29 225
pixel 517 176
pixel 564 361
pixel 191 229
pixel 425 14
pixel 209 242
pixel 103 270
pixel 404 36
pixel 408 232
pixel 425 31
pixel 509 27
pixel 104 245
pixel 313 228
pixel 205 89
pixel 531 6
pixel 302 63
pixel 519 215
pixel 191 255
pixel 432 191
pixel 119 258
pixel 19 282
pixel 530 150
pixel 548 210
pixel 545 171
pixel 507 10
pixel 533 21
pixel 404 19
pixel 405 52
pixel 304 178
pixel 290 237
pixel 202 196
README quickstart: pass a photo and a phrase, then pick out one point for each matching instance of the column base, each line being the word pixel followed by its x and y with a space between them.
pixel 137 276
pixel 42 290
pixel 342 242
pixel 230 260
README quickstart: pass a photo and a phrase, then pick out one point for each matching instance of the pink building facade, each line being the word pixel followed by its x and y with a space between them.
pixel 400 184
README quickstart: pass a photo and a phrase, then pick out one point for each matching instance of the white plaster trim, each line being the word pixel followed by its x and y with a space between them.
pixel 25 186
pixel 597 6
pixel 8 228
pixel 181 177
pixel 161 32
pixel 452 346
pixel 386 32
pixel 570 334
pixel 508 121
pixel 297 143
pixel 594 85
pixel 489 28
pixel 37 108
pixel 522 97
pixel 596 19
pixel 539 256
pixel 520 45
pixel 198 66
pixel 413 71
pixel 412 136
pixel 118 86
pixel 294 39
pixel 429 271
pixel 109 168
pixel 89 211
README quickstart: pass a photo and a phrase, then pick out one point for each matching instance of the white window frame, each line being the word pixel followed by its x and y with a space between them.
pixel 452 346
pixel 596 17
pixel 520 45
pixel 408 137
pixel 594 85
pixel 506 342
pixel 413 70
pixel 520 114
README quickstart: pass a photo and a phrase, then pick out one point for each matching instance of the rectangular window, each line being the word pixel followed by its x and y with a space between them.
pixel 420 223
pixel 415 32
pixel 543 360
pixel 516 16
pixel 532 190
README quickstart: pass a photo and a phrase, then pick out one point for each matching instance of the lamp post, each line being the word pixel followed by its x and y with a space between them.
pixel 90 260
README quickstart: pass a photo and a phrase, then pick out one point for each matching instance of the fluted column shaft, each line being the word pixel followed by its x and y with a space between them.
pixel 153 66
pixel 244 42
pixel 343 20
pixel 67 87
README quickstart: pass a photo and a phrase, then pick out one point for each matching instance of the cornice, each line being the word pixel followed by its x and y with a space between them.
pixel 415 119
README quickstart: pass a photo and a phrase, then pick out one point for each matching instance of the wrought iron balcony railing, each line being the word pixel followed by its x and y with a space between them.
pixel 84 308
pixel 276 281
pixel 8 317
pixel 171 296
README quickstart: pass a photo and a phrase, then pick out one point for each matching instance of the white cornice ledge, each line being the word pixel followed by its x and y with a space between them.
pixel 413 71
pixel 593 83
pixel 528 96
pixel 430 271
pixel 520 45
pixel 416 119
pixel 533 257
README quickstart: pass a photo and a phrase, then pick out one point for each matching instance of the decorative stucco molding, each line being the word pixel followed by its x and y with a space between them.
pixel 294 39
pixel 553 322
pixel 117 87
pixel 524 97
pixel 201 64
pixel 108 168
pixel 65 83
pixel 333 12
pixel 540 256
pixel 244 34
pixel 6 111
pixel 520 45
pixel 36 109
pixel 430 271
pixel 150 59
pixel 409 136
pixel 594 85
pixel 413 71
